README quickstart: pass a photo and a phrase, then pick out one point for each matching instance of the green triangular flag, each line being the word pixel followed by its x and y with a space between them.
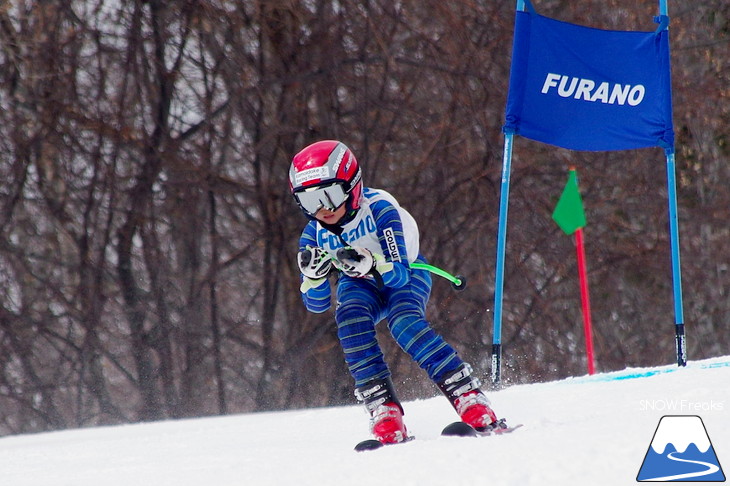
pixel 569 212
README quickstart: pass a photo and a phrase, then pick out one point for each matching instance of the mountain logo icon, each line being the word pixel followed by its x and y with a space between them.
pixel 680 451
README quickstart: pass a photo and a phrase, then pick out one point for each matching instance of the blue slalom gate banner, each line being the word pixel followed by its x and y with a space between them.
pixel 583 88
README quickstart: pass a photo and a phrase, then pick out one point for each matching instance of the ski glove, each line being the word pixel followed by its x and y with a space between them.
pixel 314 262
pixel 359 262
pixel 355 262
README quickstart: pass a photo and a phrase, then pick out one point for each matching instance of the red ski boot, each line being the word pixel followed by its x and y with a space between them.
pixel 386 412
pixel 473 408
pixel 387 424
pixel 470 403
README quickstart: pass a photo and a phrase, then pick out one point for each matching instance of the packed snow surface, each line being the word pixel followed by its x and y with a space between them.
pixel 589 430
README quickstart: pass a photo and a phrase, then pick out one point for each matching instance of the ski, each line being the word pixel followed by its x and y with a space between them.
pixel 372 444
pixel 368 445
pixel 462 429
pixel 455 429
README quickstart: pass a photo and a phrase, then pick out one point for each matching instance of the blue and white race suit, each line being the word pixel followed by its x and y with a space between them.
pixel 383 227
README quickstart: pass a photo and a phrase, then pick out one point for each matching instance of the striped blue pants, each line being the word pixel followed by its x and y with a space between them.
pixel 361 305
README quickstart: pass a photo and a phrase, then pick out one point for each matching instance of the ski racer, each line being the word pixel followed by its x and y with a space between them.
pixel 366 236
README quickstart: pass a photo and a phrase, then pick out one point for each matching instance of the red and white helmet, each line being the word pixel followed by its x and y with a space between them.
pixel 325 175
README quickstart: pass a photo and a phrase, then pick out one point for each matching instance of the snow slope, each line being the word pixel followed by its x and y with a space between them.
pixel 581 431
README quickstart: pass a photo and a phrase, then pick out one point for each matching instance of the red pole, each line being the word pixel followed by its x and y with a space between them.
pixel 585 301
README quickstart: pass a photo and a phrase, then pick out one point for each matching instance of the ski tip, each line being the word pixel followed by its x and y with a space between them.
pixel 459 429
pixel 368 445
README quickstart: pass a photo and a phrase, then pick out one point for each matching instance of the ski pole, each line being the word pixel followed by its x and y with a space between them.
pixel 457 281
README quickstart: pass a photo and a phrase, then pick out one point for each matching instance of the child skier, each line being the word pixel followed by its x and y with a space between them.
pixel 371 240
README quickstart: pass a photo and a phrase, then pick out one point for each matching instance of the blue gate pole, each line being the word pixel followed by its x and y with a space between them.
pixel 680 340
pixel 499 270
pixel 679 335
pixel 501 249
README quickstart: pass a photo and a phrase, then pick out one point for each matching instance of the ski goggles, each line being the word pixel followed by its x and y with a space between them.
pixel 328 197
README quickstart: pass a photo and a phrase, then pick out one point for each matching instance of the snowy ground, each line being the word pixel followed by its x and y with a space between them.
pixel 581 431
